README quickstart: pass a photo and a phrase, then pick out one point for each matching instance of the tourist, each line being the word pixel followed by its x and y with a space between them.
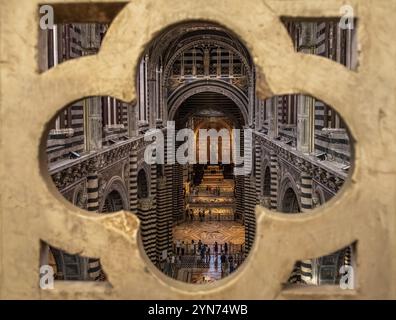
pixel 232 267
pixel 199 245
pixel 167 266
pixel 216 262
pixel 203 250
pixel 226 248
pixel 182 248
pixel 179 261
pixel 192 246
pixel 223 260
pixel 177 247
pixel 172 262
pixel 216 248
pixel 162 265
pixel 208 254
pixel 230 261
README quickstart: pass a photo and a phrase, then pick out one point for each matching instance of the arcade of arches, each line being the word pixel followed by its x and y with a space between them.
pixel 197 219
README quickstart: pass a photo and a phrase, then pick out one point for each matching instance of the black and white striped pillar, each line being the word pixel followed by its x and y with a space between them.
pixel 164 208
pixel 240 182
pixel 250 196
pixel 257 166
pixel 306 192
pixel 274 180
pixel 348 256
pixel 94 267
pixel 164 217
pixel 151 244
pixel 239 190
pixel 132 183
pixel 295 276
pixel 146 228
pixel 249 205
pixel 178 199
pixel 306 205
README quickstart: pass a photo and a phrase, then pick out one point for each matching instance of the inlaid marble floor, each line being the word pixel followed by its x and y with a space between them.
pixel 210 231
pixel 211 272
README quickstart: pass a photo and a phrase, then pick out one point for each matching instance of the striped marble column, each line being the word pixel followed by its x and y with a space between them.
pixel 274 181
pixel 132 183
pixel 250 198
pixel 152 218
pixel 147 227
pixel 164 207
pixel 295 276
pixel 239 195
pixel 347 256
pixel 239 184
pixel 168 207
pixel 306 205
pixel 93 191
pixel 249 205
pixel 164 216
pixel 94 267
pixel 257 170
pixel 177 189
pixel 306 192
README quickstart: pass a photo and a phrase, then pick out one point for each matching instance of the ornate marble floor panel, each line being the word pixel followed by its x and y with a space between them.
pixel 210 231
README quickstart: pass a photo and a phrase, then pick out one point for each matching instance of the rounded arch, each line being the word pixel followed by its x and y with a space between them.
pixel 215 86
pixel 113 202
pixel 216 40
pixel 166 47
pixel 115 186
pixel 290 202
pixel 142 184
pixel 80 197
pixel 288 195
pixel 267 182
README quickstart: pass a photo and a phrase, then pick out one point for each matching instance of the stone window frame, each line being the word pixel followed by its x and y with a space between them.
pixel 362 212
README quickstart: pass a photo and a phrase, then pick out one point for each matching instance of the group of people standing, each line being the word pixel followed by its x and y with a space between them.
pixel 202 214
pixel 219 252
pixel 185 248
pixel 169 265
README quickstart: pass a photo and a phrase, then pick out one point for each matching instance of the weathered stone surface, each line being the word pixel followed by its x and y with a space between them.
pixel 32 209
